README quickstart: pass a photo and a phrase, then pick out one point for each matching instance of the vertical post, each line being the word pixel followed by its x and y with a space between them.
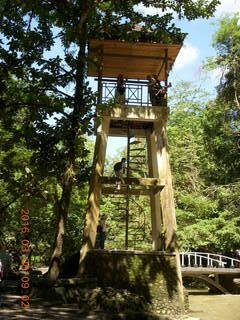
pixel 166 75
pixel 155 202
pixel 208 260
pixel 166 67
pixel 167 200
pixel 200 261
pixel 127 195
pixel 195 259
pixel 182 258
pixel 100 67
pixel 92 214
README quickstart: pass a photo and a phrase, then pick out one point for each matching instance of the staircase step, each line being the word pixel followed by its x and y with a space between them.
pixel 139 163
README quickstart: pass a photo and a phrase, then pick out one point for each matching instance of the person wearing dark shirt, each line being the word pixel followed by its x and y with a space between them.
pixel 160 91
pixel 120 89
pixel 157 92
pixel 102 231
pixel 119 169
pixel 151 90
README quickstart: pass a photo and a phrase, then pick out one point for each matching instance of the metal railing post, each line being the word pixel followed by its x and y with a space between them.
pixel 220 261
pixel 208 260
pixel 195 259
pixel 182 260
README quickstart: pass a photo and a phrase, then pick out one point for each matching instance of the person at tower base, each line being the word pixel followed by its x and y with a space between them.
pixel 101 232
pixel 119 169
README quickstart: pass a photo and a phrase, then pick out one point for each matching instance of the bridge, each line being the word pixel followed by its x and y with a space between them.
pixel 220 273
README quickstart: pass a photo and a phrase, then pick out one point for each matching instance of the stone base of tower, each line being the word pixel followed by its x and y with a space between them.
pixel 152 275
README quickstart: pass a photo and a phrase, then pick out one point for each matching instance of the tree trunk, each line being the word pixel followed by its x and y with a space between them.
pixel 69 175
pixel 62 210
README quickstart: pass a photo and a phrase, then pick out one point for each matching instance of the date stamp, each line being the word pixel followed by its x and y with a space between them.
pixel 25 264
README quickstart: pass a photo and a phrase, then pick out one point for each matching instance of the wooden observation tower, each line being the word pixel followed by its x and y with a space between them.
pixel 134 117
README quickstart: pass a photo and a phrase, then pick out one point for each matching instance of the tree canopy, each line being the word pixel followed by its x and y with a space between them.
pixel 47 105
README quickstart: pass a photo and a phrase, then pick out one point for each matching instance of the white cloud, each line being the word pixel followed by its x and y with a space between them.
pixel 228 6
pixel 187 55
pixel 150 10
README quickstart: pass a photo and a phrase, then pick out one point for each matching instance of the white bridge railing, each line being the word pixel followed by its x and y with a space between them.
pixel 207 260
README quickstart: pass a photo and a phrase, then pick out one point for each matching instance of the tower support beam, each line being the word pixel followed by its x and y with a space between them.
pixel 92 214
pixel 166 196
pixel 156 217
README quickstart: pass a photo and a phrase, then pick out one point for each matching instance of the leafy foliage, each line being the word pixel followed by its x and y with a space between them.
pixel 47 107
pixel 222 119
pixel 226 42
pixel 113 300
pixel 208 220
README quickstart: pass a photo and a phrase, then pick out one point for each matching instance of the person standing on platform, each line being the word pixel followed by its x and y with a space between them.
pixel 160 92
pixel 157 92
pixel 121 88
pixel 151 90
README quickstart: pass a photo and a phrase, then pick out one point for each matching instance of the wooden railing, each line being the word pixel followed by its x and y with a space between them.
pixel 136 92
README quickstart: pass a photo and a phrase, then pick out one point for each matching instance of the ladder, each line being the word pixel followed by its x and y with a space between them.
pixel 135 224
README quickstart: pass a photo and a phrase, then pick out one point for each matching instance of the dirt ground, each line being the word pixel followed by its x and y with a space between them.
pixel 202 307
pixel 214 307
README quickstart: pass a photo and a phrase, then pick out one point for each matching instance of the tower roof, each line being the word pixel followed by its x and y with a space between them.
pixel 134 60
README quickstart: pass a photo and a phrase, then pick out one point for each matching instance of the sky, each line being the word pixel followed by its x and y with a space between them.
pixel 188 65
pixel 194 52
pixel 198 45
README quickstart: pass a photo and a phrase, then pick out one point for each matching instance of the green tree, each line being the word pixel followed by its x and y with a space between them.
pixel 222 117
pixel 227 42
pixel 29 30
pixel 207 211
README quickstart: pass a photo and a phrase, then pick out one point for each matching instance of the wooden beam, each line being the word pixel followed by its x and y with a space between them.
pixel 153 182
pixel 155 201
pixel 160 70
pixel 166 67
pixel 100 70
pixel 167 198
pixel 114 80
pixel 118 132
pixel 134 192
pixel 127 57
pixel 135 56
pixel 134 113
pixel 167 201
pixel 94 196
